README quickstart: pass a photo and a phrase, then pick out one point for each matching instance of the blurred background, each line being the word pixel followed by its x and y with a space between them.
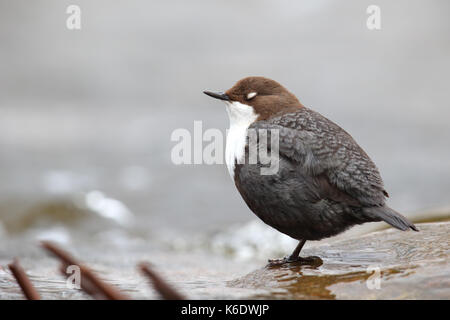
pixel 86 115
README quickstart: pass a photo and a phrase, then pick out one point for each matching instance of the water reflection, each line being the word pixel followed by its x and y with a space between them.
pixel 406 265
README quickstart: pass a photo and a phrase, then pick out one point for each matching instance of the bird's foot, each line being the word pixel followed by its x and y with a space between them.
pixel 312 260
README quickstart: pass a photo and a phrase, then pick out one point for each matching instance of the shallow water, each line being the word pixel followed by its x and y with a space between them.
pixel 411 266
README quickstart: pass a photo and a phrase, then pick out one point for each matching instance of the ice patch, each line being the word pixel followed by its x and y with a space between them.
pixel 109 208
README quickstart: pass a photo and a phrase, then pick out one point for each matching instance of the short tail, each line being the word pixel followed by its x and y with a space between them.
pixel 390 216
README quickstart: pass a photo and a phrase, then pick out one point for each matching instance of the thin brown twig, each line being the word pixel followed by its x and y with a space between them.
pixel 24 282
pixel 166 291
pixel 94 286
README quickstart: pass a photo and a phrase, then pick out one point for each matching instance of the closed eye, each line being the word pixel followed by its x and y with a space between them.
pixel 251 95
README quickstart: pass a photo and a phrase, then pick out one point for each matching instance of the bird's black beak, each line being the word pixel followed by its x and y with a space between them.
pixel 217 95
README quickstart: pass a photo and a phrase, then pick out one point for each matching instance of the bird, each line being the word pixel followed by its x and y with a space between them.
pixel 325 182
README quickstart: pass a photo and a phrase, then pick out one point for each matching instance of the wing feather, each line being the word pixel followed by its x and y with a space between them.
pixel 324 150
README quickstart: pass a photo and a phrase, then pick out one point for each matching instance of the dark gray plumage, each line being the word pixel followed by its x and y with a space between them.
pixel 326 183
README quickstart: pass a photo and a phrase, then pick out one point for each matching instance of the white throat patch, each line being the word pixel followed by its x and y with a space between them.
pixel 241 117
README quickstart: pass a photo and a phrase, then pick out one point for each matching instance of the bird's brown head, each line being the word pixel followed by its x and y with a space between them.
pixel 266 97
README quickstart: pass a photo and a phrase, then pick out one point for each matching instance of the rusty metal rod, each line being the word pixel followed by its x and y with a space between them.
pixel 85 284
pixel 24 282
pixel 166 291
pixel 95 286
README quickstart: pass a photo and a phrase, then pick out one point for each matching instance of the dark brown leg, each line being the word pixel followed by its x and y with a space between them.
pixel 295 255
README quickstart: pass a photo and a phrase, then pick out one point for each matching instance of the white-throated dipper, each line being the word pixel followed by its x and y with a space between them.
pixel 325 182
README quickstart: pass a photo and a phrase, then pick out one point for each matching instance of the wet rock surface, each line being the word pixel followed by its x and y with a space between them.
pixel 388 264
